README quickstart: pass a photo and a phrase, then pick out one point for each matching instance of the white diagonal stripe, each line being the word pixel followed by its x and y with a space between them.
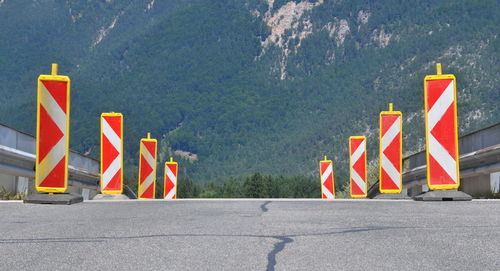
pixel 111 171
pixel 391 133
pixel 442 156
pixel 389 168
pixel 327 193
pixel 327 173
pixel 148 156
pixel 171 176
pixel 53 109
pixel 52 158
pixel 113 138
pixel 440 106
pixel 147 182
pixel 358 180
pixel 358 152
pixel 171 193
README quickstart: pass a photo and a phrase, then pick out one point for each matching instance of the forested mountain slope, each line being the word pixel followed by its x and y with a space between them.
pixel 235 87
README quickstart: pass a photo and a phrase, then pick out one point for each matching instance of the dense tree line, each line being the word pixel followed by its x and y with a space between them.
pixel 254 186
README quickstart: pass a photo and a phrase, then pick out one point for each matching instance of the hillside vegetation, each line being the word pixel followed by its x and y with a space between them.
pixel 230 88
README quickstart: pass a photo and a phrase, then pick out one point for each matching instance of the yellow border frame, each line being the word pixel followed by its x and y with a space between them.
pixel 165 177
pixel 112 114
pixel 426 107
pixel 385 113
pixel 350 165
pixel 154 170
pixel 59 78
pixel 333 177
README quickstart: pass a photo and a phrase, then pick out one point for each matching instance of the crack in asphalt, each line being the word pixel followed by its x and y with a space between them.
pixel 271 256
pixel 278 247
pixel 263 206
pixel 109 238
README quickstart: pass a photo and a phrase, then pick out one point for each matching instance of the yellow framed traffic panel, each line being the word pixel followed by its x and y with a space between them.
pixel 428 78
pixel 383 113
pixel 350 166
pixel 148 139
pixel 112 114
pixel 58 78
pixel 171 162
pixel 320 175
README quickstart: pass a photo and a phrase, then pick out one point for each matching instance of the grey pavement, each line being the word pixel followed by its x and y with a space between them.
pixel 251 235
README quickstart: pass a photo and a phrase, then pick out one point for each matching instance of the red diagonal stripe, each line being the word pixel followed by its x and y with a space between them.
pixel 169 185
pixel 151 147
pixel 392 152
pixel 434 90
pixel 115 183
pixel 148 193
pixel 387 121
pixel 324 166
pixel 56 176
pixel 49 135
pixel 444 131
pixel 387 183
pixel 173 168
pixel 355 189
pixel 109 153
pixel 329 184
pixel 437 174
pixel 146 169
pixel 359 166
pixel 115 124
pixel 58 91
pixel 355 142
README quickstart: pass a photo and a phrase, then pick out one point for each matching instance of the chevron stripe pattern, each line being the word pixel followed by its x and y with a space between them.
pixel 441 134
pixel 327 183
pixel 170 183
pixel 52 135
pixel 147 168
pixel 390 152
pixel 357 162
pixel 111 153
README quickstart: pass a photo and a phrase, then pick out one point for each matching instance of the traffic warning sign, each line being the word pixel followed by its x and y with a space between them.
pixel 111 153
pixel 441 135
pixel 391 145
pixel 52 130
pixel 170 183
pixel 327 179
pixel 357 166
pixel 147 168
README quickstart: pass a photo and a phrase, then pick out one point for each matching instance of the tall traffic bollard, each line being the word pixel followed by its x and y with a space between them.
pixel 52 140
pixel 111 153
pixel 147 168
pixel 391 146
pixel 170 180
pixel 327 179
pixel 357 166
pixel 441 137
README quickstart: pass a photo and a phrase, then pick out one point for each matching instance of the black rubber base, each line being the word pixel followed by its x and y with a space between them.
pixel 443 195
pixel 56 198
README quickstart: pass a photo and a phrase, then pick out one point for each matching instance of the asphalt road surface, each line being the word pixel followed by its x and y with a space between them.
pixel 251 235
